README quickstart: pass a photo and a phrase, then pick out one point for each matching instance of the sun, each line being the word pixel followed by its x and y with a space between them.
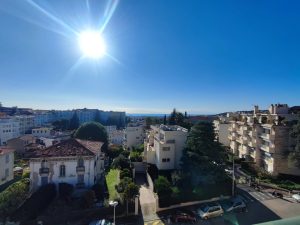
pixel 92 44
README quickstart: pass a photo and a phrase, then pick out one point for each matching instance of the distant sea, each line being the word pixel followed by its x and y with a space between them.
pixel 160 114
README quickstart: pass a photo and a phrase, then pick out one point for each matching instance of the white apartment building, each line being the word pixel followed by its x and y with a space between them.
pixel 164 146
pixel 263 137
pixel 115 136
pixel 26 123
pixel 76 162
pixel 8 129
pixel 6 164
pixel 133 136
pixel 41 132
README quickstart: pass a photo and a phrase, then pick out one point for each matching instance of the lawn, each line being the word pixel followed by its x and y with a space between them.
pixel 112 179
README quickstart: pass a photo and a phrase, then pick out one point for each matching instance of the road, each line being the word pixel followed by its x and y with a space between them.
pixel 262 207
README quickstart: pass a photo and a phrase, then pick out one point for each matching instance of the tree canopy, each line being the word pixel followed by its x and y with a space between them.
pixel 202 152
pixel 92 131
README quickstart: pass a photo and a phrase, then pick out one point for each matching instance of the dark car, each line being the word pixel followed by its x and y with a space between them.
pixel 277 194
pixel 184 216
pixel 237 205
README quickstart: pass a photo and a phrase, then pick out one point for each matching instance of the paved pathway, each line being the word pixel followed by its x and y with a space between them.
pixel 147 199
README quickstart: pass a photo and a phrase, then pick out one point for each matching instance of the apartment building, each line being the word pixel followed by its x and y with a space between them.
pixel 9 129
pixel 164 145
pixel 134 136
pixel 26 123
pixel 264 138
pixel 41 132
pixel 115 136
pixel 6 164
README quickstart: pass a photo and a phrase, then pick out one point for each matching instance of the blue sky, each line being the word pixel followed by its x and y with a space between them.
pixel 198 56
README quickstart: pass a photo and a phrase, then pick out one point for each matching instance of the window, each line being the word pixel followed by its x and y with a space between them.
pixel 44 163
pixel 80 162
pixel 163 160
pixel 166 148
pixel 7 158
pixel 62 171
pixel 166 160
pixel 137 137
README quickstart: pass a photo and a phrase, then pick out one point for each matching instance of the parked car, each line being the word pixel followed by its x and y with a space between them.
pixel 100 222
pixel 184 216
pixel 277 194
pixel 237 205
pixel 210 210
pixel 296 197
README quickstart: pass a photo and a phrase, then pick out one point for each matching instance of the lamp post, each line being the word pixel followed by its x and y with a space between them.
pixel 114 204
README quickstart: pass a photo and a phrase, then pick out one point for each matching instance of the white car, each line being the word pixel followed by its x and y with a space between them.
pixel 210 210
pixel 100 222
pixel 296 197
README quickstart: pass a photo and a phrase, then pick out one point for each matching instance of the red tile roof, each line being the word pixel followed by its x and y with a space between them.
pixel 70 147
pixel 5 150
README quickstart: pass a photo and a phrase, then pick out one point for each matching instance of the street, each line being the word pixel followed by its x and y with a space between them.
pixel 261 205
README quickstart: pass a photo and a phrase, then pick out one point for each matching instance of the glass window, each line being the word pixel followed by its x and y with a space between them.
pixel 166 148
pixel 7 158
pixel 62 171
pixel 6 172
pixel 80 162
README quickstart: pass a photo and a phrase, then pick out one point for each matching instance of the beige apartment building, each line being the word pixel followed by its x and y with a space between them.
pixel 264 138
pixel 164 146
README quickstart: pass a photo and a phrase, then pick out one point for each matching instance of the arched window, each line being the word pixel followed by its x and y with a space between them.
pixel 44 163
pixel 62 171
pixel 80 162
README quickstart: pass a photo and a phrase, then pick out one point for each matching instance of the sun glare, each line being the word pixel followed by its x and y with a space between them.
pixel 92 44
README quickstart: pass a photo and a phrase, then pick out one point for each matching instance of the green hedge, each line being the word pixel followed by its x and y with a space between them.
pixel 38 202
pixel 13 196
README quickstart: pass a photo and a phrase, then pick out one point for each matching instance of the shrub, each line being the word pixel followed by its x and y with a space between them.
pixel 88 199
pixel 164 190
pixel 13 196
pixel 26 174
pixel 99 191
pixel 121 162
pixel 125 153
pixel 125 173
pixel 135 156
pixel 65 190
pixel 38 202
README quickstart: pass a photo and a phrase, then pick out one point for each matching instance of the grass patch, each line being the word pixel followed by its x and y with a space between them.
pixel 113 179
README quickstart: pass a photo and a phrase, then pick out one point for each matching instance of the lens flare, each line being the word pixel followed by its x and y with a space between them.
pixel 92 44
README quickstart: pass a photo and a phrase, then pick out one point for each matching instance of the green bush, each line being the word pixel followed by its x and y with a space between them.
pixel 125 173
pixel 135 156
pixel 121 162
pixel 65 190
pixel 26 174
pixel 38 202
pixel 13 196
pixel 164 190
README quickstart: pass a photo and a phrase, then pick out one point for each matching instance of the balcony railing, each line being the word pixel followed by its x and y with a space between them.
pixel 231 137
pixel 80 169
pixel 44 170
pixel 265 136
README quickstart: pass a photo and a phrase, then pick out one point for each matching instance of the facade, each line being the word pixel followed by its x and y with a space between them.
pixel 8 129
pixel 41 132
pixel 6 164
pixel 76 162
pixel 115 136
pixel 133 136
pixel 264 138
pixel 164 146
pixel 26 123
pixel 221 127
pixel 19 143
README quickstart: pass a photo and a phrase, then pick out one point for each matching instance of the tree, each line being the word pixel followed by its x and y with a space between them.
pixel 202 153
pixel 93 131
pixel 163 189
pixel 165 119
pixel 74 122
pixel 125 173
pixel 131 190
pixel 121 162
pixel 172 117
pixel 295 134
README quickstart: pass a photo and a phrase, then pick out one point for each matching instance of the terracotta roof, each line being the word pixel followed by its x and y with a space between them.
pixel 27 137
pixel 6 150
pixel 70 147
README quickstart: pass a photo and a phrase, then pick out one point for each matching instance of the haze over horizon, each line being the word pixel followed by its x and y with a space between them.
pixel 201 57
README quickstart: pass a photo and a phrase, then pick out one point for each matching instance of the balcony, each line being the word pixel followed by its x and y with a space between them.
pixel 231 128
pixel 241 140
pixel 44 171
pixel 231 137
pixel 80 169
pixel 265 136
pixel 251 144
pixel 267 148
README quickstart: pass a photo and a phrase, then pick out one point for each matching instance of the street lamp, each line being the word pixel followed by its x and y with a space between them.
pixel 114 204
